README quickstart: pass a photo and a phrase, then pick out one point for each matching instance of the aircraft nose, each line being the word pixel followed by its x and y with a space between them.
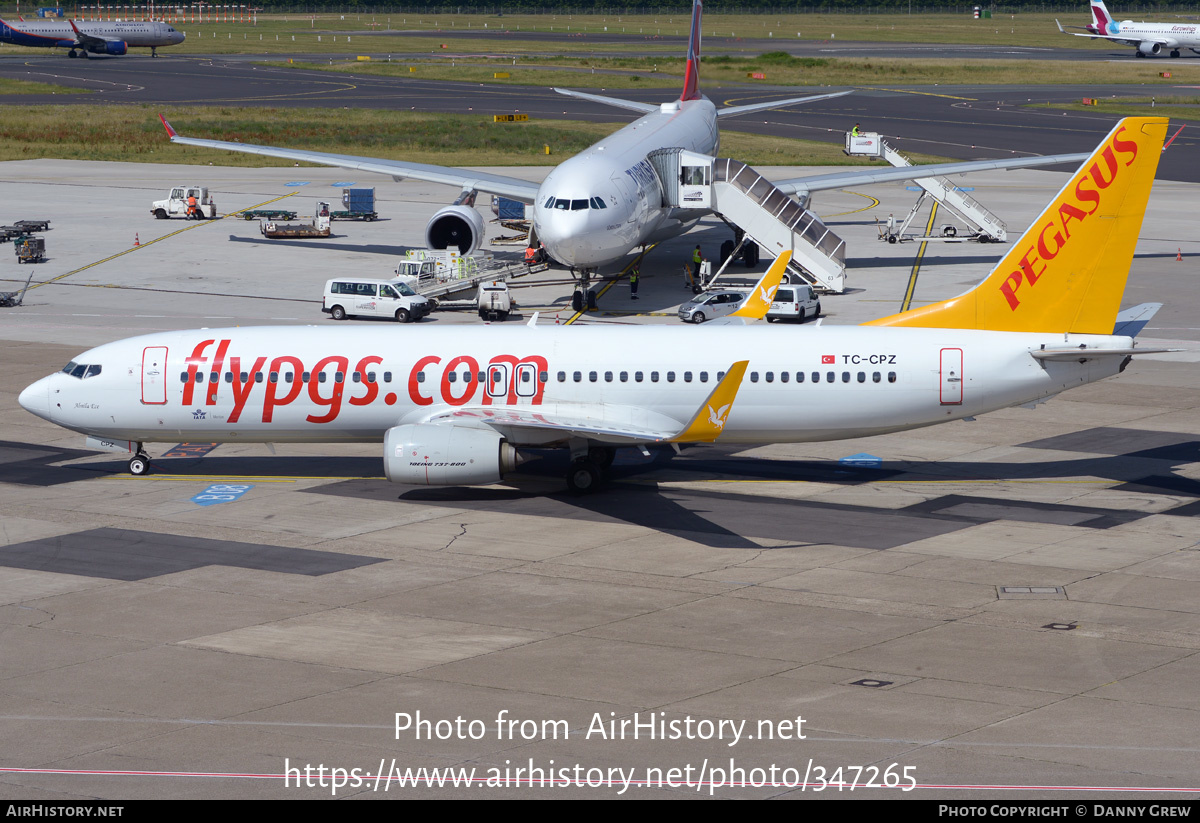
pixel 35 399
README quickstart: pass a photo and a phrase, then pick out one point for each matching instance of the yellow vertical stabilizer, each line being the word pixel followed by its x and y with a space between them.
pixel 1067 272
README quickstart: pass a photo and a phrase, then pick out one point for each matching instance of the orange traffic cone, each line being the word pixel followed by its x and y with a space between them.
pixel 136 241
pixel 1179 254
pixel 556 318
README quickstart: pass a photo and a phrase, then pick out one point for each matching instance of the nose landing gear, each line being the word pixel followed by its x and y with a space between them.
pixel 139 464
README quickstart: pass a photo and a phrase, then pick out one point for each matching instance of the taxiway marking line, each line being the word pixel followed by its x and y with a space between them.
pixel 916 268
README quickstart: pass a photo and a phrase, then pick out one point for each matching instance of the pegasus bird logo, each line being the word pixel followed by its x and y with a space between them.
pixel 717 418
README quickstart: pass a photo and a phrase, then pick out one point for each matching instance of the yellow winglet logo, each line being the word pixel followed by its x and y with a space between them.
pixel 709 420
pixel 759 301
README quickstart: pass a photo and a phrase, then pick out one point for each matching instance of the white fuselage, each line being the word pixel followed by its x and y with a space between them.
pixel 1169 35
pixel 309 384
pixel 60 33
pixel 616 171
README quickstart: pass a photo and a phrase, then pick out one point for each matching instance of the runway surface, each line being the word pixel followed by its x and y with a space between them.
pixel 964 122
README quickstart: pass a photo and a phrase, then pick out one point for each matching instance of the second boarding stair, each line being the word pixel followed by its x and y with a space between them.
pixel 769 217
pixel 990 228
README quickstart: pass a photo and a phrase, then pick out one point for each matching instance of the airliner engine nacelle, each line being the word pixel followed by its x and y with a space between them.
pixel 438 455
pixel 115 47
pixel 1150 48
pixel 458 227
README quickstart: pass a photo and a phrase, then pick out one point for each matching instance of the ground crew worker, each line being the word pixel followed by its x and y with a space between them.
pixel 697 259
pixel 191 209
pixel 530 255
pixel 633 283
pixel 854 131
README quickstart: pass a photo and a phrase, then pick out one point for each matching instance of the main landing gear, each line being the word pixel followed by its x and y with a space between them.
pixel 139 464
pixel 589 470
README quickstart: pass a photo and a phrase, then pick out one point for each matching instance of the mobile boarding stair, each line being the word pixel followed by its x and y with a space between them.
pixel 986 227
pixel 745 199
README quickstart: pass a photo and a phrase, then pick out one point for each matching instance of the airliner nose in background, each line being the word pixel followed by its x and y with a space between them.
pixel 108 37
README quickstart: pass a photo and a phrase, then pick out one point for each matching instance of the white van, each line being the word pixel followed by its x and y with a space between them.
pixel 794 301
pixel 346 297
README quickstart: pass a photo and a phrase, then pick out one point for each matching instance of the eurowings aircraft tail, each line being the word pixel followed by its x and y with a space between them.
pixel 1067 272
pixel 1100 17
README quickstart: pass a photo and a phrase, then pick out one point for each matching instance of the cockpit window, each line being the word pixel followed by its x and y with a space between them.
pixel 578 205
pixel 549 202
pixel 564 205
pixel 597 203
pixel 81 370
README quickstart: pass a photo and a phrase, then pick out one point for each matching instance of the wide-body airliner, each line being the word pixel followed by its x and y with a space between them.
pixel 108 37
pixel 456 405
pixel 1147 38
pixel 598 206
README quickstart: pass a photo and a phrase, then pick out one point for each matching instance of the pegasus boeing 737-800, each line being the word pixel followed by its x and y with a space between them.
pixel 112 37
pixel 454 405
pixel 601 204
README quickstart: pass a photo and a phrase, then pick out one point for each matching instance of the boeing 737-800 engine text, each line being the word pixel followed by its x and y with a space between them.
pixel 454 405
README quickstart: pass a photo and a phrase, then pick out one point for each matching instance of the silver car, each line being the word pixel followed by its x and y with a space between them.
pixel 711 304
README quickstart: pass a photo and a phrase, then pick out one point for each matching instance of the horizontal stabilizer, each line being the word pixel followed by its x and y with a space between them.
pixel 1131 321
pixel 632 105
pixel 1082 353
pixel 734 111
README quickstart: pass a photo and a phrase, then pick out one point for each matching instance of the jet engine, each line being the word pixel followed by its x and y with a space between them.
pixel 429 454
pixel 458 227
pixel 1149 48
pixel 115 47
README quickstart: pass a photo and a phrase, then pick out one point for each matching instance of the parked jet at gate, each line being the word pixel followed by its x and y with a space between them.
pixel 599 205
pixel 453 405
pixel 110 37
pixel 1146 38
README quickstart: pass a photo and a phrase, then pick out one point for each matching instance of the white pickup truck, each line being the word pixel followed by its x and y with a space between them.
pixel 176 204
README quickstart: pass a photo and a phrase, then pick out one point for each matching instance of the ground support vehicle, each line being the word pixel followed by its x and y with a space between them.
pixel 319 227
pixel 178 204
pixel 359 205
pixel 30 249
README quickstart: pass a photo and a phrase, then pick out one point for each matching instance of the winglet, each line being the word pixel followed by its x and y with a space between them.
pixel 170 131
pixel 1060 28
pixel 759 302
pixel 709 421
pixel 75 27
